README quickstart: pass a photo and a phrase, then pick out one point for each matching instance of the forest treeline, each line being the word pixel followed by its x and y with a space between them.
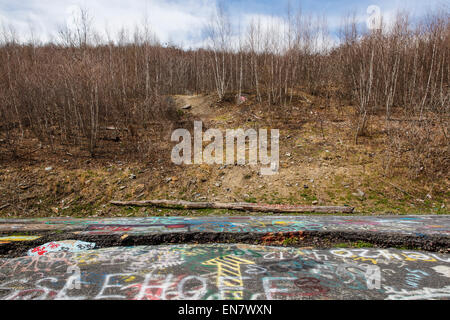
pixel 66 91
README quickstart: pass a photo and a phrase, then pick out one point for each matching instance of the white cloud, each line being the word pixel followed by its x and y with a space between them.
pixel 179 21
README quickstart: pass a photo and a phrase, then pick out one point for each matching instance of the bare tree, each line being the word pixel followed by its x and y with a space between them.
pixel 219 33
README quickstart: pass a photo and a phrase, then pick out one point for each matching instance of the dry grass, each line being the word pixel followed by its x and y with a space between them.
pixel 372 114
pixel 323 159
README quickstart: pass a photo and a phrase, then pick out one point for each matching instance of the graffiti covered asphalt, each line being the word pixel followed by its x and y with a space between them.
pixel 430 233
pixel 48 258
pixel 407 225
pixel 232 271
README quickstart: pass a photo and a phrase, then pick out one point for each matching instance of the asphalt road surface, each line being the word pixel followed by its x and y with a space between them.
pixel 409 225
pixel 96 259
pixel 237 271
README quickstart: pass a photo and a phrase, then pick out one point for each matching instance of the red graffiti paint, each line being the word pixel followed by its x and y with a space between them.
pixel 177 226
pixel 39 250
pixel 110 228
pixel 53 245
pixel 310 287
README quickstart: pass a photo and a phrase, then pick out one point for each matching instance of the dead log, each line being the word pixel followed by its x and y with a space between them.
pixel 113 129
pixel 241 206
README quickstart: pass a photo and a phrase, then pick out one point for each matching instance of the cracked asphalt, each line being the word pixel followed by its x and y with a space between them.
pixel 238 258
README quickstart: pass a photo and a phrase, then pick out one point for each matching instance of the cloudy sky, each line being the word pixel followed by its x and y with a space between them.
pixel 182 21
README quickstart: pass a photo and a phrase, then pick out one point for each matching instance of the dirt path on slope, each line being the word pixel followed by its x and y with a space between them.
pixel 201 106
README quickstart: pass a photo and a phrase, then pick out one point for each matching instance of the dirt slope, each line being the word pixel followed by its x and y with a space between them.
pixel 319 164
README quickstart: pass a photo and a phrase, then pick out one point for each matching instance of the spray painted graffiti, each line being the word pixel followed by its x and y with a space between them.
pixel 226 272
pixel 19 238
pixel 64 246
pixel 27 226
pixel 422 226
pixel 229 277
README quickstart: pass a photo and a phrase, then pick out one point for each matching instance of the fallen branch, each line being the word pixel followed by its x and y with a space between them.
pixel 114 129
pixel 241 206
pixel 397 187
pixel 4 206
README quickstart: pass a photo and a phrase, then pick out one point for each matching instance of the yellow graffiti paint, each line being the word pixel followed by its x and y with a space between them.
pixel 233 295
pixel 87 258
pixel 418 257
pixel 366 259
pixel 129 279
pixel 229 277
pixel 283 223
pixel 256 224
pixel 19 238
